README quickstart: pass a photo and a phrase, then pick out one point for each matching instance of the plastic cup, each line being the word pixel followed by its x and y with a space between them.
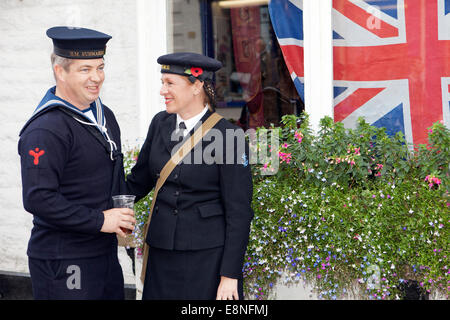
pixel 124 201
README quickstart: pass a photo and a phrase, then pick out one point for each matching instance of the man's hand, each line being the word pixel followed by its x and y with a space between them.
pixel 118 218
pixel 227 289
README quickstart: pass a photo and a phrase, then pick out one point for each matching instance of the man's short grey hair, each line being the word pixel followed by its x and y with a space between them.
pixel 58 60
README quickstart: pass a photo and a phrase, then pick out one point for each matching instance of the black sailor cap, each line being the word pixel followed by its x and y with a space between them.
pixel 190 64
pixel 78 43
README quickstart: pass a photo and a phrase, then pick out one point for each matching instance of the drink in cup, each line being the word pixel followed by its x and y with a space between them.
pixel 124 201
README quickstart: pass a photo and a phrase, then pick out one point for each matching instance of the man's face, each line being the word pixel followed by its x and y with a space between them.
pixel 83 81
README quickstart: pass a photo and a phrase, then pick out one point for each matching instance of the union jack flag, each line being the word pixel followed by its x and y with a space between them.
pixel 287 22
pixel 391 63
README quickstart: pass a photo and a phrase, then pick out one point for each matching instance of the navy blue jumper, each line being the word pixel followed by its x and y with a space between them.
pixel 68 186
pixel 67 182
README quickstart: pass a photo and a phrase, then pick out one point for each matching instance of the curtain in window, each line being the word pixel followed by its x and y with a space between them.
pixel 245 25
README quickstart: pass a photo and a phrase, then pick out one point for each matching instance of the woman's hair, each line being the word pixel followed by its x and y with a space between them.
pixel 210 92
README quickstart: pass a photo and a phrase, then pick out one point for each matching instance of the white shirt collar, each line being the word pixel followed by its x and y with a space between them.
pixel 191 122
pixel 90 115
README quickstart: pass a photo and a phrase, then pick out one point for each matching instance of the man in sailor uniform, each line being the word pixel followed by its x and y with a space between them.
pixel 71 165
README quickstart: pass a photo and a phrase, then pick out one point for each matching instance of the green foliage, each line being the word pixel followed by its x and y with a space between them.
pixel 351 211
pixel 142 207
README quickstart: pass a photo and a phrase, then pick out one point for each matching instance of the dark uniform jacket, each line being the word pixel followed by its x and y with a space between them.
pixel 202 205
pixel 66 181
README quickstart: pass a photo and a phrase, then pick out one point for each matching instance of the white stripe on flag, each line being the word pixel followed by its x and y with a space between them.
pixel 297 3
pixel 293 76
pixel 290 42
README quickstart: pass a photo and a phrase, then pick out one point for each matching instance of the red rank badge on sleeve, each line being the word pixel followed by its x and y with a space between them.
pixel 36 153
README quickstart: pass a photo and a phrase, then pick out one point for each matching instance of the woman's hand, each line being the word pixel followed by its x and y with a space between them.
pixel 227 289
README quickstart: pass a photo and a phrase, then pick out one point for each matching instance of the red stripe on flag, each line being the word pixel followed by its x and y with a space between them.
pixel 354 101
pixel 364 19
pixel 293 57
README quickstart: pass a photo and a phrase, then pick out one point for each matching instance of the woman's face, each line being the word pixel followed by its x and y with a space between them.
pixel 177 91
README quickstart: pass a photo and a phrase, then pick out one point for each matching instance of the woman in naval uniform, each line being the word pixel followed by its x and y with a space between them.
pixel 200 224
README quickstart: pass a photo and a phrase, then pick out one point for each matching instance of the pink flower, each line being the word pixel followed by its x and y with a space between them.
pixel 285 156
pixel 436 180
pixel 432 180
pixel 298 136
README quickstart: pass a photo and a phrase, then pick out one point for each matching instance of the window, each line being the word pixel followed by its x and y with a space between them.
pixel 254 87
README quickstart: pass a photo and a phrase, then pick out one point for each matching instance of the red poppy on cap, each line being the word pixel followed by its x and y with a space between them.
pixel 196 71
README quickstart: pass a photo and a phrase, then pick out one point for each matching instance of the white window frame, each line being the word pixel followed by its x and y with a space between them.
pixel 318 60
pixel 152 42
